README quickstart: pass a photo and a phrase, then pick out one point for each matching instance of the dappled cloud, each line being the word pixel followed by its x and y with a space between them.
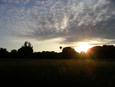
pixel 71 20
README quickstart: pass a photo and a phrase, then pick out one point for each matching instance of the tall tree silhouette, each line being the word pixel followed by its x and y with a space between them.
pixel 26 50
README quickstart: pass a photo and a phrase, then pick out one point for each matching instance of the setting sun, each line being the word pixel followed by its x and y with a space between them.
pixel 83 47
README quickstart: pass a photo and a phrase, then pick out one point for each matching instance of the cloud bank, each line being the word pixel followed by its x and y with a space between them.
pixel 73 21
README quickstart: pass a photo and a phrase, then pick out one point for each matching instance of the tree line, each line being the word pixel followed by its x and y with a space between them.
pixel 26 52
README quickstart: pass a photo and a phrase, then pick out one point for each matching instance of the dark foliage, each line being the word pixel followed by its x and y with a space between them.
pixel 14 54
pixel 47 55
pixel 82 54
pixel 105 51
pixel 3 53
pixel 69 53
pixel 26 50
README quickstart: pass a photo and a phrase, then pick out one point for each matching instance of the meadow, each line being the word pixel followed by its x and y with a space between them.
pixel 58 72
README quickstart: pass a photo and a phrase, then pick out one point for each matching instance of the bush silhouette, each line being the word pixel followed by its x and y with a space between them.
pixel 14 53
pixel 69 53
pixel 3 53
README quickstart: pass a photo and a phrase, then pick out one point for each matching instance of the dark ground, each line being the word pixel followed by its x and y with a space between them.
pixel 64 72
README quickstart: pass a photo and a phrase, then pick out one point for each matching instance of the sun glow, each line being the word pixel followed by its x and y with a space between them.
pixel 83 47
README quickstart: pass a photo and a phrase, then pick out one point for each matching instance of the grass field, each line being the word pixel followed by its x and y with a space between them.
pixel 70 72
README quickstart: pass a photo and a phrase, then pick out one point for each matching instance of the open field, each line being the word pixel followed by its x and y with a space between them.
pixel 70 72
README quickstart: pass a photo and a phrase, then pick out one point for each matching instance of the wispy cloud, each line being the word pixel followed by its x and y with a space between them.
pixel 73 21
pixel 17 1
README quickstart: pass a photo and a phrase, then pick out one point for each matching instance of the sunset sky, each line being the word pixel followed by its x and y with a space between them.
pixel 48 24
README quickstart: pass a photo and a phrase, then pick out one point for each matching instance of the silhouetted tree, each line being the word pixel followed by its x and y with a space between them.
pixel 37 55
pixel 48 54
pixel 69 52
pixel 105 51
pixel 82 54
pixel 26 50
pixel 14 53
pixel 3 53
